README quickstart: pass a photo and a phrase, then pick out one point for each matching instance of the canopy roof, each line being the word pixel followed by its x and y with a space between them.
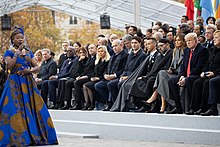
pixel 121 11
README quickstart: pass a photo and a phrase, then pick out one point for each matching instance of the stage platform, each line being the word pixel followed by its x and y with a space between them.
pixel 138 126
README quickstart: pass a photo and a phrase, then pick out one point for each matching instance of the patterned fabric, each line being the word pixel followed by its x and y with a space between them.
pixel 24 118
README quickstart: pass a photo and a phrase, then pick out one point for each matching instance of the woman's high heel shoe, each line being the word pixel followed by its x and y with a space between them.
pixel 162 109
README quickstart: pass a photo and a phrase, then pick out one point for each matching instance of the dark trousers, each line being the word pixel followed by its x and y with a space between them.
pixel 174 92
pixel 61 90
pixel 214 90
pixel 44 90
pixel 78 84
pixel 200 94
pixel 68 89
pixel 113 89
pixel 102 90
pixel 52 86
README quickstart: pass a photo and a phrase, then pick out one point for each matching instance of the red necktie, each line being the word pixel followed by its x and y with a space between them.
pixel 188 66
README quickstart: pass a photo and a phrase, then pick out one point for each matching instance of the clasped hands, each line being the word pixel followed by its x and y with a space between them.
pixel 109 77
pixel 182 81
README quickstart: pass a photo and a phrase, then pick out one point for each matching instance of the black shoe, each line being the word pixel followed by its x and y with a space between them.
pixel 86 107
pixel 76 107
pixel 161 112
pixel 143 109
pixel 107 108
pixel 50 106
pixel 66 107
pixel 210 112
pixel 55 106
pixel 190 112
pixel 198 112
pixel 115 110
pixel 175 111
pixel 146 104
pixel 91 107
pixel 152 111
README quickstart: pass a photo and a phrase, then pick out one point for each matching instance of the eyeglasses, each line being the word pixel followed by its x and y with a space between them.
pixel 69 51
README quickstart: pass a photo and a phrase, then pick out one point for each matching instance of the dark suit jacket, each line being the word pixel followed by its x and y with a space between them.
pixel 62 58
pixel 75 71
pixel 82 65
pixel 47 69
pixel 199 58
pixel 89 67
pixel 68 64
pixel 117 63
pixel 99 69
pixel 208 44
pixel 213 63
pixel 133 61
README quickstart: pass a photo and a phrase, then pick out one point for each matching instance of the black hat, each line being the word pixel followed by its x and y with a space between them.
pixel 184 28
pixel 163 40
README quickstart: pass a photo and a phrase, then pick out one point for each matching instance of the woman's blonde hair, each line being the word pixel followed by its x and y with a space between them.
pixel 38 51
pixel 107 56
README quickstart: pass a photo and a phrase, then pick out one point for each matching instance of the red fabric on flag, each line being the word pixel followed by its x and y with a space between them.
pixel 199 13
pixel 190 9
pixel 188 66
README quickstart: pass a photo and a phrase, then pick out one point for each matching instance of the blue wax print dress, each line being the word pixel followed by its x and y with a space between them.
pixel 24 118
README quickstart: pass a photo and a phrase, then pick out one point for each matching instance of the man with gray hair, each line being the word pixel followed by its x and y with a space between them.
pixel 47 68
pixel 190 23
pixel 158 36
pixel 210 29
pixel 126 39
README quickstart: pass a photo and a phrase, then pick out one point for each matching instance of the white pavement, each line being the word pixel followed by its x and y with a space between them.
pixel 137 126
pixel 65 141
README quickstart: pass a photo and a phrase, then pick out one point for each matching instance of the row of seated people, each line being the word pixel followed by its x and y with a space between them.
pixel 133 81
pixel 3 73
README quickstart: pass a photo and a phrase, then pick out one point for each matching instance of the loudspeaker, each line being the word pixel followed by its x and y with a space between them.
pixel 105 21
pixel 6 22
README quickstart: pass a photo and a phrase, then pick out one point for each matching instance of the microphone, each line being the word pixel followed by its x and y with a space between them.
pixel 24 47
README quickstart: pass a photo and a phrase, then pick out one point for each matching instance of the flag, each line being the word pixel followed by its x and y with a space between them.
pixel 217 8
pixel 206 8
pixel 197 5
pixel 189 9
